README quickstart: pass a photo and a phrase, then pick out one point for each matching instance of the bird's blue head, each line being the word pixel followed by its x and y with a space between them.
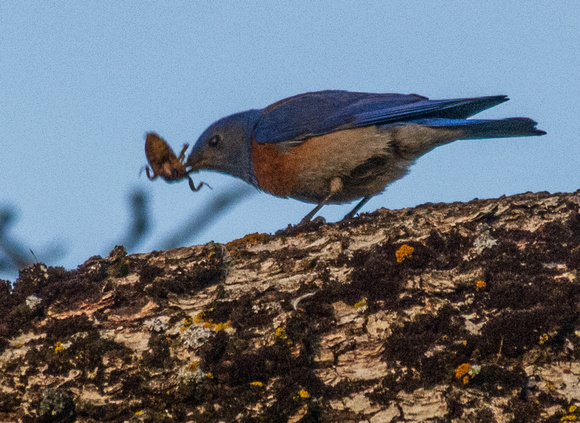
pixel 225 146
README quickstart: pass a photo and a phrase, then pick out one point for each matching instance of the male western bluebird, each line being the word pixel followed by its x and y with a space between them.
pixel 338 146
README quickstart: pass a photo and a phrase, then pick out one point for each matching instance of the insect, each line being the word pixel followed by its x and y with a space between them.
pixel 165 163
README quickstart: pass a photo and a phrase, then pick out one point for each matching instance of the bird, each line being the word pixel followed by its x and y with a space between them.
pixel 335 147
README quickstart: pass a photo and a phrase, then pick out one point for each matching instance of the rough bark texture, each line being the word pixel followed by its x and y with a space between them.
pixel 464 312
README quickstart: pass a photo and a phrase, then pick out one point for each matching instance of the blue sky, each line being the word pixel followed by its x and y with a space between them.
pixel 82 82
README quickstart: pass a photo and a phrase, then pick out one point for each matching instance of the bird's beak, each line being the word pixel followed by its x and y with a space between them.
pixel 195 161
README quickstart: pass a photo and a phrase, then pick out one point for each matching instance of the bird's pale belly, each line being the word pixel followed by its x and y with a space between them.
pixel 361 160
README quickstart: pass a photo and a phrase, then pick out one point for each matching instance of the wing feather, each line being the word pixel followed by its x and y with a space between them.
pixel 312 114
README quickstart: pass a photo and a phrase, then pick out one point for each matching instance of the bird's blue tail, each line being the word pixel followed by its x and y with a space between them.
pixel 475 128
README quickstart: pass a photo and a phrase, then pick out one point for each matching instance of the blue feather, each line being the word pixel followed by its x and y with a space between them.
pixel 318 113
pixel 474 128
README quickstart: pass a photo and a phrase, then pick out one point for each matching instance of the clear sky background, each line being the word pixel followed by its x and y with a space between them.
pixel 82 82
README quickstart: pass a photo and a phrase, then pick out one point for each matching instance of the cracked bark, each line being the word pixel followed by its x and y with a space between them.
pixel 446 312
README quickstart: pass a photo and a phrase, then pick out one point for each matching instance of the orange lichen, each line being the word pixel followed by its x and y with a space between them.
pixel 257 383
pixel 462 370
pixel 221 326
pixel 404 252
pixel 362 303
pixel 571 417
pixel 199 317
pixel 303 393
pixel 217 326
pixel 187 322
pixel 250 239
pixel 480 284
pixel 281 333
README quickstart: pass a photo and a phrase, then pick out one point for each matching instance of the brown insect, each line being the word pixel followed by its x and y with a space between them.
pixel 165 163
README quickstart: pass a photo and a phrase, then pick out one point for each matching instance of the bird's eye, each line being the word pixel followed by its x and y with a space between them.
pixel 214 141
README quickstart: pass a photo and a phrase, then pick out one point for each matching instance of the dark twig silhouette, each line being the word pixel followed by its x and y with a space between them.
pixel 140 225
pixel 199 221
pixel 14 255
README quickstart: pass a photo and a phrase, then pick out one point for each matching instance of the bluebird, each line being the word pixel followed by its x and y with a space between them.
pixel 332 147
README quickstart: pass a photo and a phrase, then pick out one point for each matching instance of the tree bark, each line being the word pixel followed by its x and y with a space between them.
pixel 463 312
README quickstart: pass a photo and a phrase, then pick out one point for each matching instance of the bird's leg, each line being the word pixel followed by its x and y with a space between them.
pixel 335 186
pixel 361 203
pixel 310 215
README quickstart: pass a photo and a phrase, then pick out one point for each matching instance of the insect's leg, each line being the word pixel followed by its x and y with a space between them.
pixel 193 187
pixel 182 154
pixel 148 173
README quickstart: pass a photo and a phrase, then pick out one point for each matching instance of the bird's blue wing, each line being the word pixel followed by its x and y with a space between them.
pixel 318 113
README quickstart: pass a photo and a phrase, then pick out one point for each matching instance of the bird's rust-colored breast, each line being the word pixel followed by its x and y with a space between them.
pixel 275 172
pixel 305 169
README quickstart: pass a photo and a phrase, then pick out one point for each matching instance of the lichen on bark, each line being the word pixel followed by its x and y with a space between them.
pixel 456 312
